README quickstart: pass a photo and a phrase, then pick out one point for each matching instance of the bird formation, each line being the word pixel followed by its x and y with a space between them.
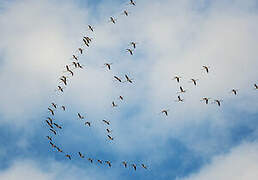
pixel 206 100
pixel 69 72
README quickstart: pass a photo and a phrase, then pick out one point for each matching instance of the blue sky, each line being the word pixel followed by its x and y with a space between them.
pixel 195 141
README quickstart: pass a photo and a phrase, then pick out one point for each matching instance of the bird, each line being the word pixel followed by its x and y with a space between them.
pixel 59 150
pixel 51 111
pixel 50 119
pixel 91 28
pixel 130 51
pixel 125 164
pixel 165 111
pixel 52 144
pixel 79 65
pixel 113 104
pixel 109 137
pixel 108 65
pixel 194 81
pixel 91 160
pixel 54 105
pixel 81 50
pixel 177 78
pixel 218 102
pixel 57 126
pixel 133 44
pixel 117 78
pixel 108 131
pixel 128 79
pixel 63 107
pixel 68 156
pixel 87 123
pixel 50 125
pixel 181 90
pixel 109 163
pixel 113 20
pixel 134 166
pixel 80 154
pixel 105 121
pixel 74 57
pixel 143 165
pixel 234 91
pixel 60 88
pixel 132 3
pixel 49 138
pixel 126 13
pixel 87 39
pixel 206 100
pixel 121 97
pixel 255 86
pixel 86 43
pixel 180 99
pixel 64 80
pixel 100 161
pixel 80 116
pixel 53 131
pixel 206 68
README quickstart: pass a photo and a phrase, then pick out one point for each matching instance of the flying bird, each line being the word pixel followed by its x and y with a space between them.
pixel 88 123
pixel 53 131
pixel 125 164
pixel 113 20
pixel 143 165
pixel 80 154
pixel 134 166
pixel 80 50
pixel 177 78
pixel 255 86
pixel 74 57
pixel 109 137
pixel 50 119
pixel 206 100
pixel 68 156
pixel 206 68
pixel 117 78
pixel 49 138
pixel 108 65
pixel 234 91
pixel 113 104
pixel 51 111
pixel 105 121
pixel 108 131
pixel 132 3
pixel 130 51
pixel 133 44
pixel 100 161
pixel 91 160
pixel 63 107
pixel 86 43
pixel 218 102
pixel 121 97
pixel 165 111
pixel 180 99
pixel 181 90
pixel 54 105
pixel 80 116
pixel 128 79
pixel 126 13
pixel 91 28
pixel 109 163
pixel 60 88
pixel 50 125
pixel 194 81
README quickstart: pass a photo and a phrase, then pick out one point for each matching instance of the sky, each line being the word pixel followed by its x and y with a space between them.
pixel 173 38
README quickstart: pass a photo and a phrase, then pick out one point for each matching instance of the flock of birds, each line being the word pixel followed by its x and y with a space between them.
pixel 70 71
pixel 206 100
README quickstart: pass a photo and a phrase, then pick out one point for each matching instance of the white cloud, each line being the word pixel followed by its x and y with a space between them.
pixel 240 163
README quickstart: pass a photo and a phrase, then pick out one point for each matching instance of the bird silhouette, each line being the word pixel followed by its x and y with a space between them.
pixel 51 111
pixel 80 154
pixel 130 51
pixel 177 78
pixel 206 68
pixel 91 28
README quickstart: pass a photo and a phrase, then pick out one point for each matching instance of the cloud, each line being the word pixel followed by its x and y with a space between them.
pixel 239 163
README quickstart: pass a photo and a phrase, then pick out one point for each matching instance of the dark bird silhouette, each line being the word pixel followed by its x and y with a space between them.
pixel 108 131
pixel 59 127
pixel 105 121
pixel 113 20
pixel 79 65
pixel 255 86
pixel 63 107
pixel 60 88
pixel 181 90
pixel 134 166
pixel 143 165
pixel 109 163
pixel 180 99
pixel 80 154
pixel 54 146
pixel 100 161
pixel 117 78
pixel 206 68
pixel 80 50
pixel 130 51
pixel 128 79
pixel 50 125
pixel 50 120
pixel 218 102
pixel 177 78
pixel 165 111
pixel 68 156
pixel 108 65
pixel 53 131
pixel 86 43
pixel 109 137
pixel 51 111
pixel 88 123
pixel 133 44
pixel 54 105
pixel 132 3
pixel 113 104
pixel 206 100
pixel 91 28
pixel 234 91
pixel 49 138
pixel 87 39
pixel 80 116
pixel 74 57
pixel 125 164
pixel 91 160
pixel 126 13
pixel 59 150
pixel 64 80
pixel 194 81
